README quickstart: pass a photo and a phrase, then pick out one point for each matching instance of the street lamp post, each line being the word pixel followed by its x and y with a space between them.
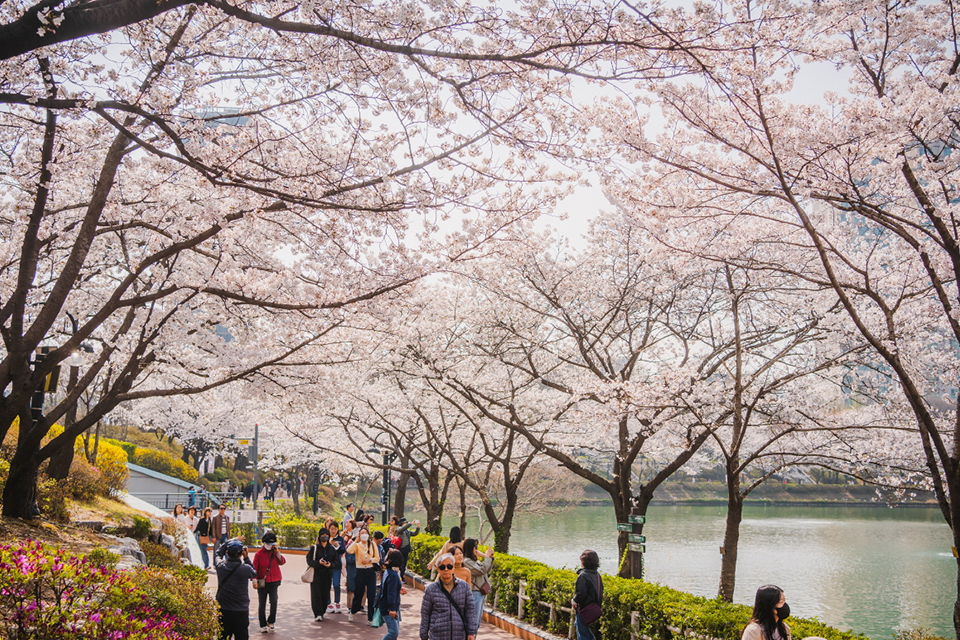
pixel 388 457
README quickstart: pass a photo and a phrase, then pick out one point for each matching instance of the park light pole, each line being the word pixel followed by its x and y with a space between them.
pixel 389 455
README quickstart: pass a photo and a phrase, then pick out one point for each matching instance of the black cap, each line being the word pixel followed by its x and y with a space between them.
pixel 270 536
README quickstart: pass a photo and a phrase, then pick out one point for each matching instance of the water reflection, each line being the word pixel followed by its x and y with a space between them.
pixel 869 569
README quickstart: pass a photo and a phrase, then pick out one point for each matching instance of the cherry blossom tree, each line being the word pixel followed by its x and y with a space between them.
pixel 863 179
pixel 195 246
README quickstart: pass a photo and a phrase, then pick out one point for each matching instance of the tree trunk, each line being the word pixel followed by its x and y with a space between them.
pixel 622 508
pixel 400 499
pixel 295 494
pixel 462 490
pixel 60 462
pixel 731 540
pixel 20 490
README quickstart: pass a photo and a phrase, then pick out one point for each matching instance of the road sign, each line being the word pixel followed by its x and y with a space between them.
pixel 637 519
pixel 639 548
pixel 243 516
pixel 245 442
pixel 624 526
pixel 635 537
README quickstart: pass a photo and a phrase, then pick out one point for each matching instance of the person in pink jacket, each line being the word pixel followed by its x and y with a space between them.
pixel 267 562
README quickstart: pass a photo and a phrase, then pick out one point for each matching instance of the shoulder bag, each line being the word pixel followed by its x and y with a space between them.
pixel 262 582
pixel 308 574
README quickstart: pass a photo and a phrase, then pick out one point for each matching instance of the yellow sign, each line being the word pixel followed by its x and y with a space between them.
pixel 246 442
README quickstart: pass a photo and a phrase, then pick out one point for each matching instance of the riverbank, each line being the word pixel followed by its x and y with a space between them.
pixel 707 494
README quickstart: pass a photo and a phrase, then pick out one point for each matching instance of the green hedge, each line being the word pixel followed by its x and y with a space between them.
pixel 659 607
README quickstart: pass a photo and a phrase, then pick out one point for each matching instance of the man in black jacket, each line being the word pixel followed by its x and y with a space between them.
pixel 234 573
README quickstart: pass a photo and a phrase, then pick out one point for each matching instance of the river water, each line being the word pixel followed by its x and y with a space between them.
pixel 869 569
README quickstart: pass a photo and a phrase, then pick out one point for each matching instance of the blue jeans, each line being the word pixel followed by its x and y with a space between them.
pixel 583 630
pixel 203 551
pixel 478 599
pixel 393 627
pixel 335 576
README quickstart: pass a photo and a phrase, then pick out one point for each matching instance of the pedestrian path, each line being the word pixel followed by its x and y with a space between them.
pixel 295 619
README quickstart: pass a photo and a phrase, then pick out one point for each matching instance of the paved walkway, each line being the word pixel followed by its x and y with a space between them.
pixel 295 619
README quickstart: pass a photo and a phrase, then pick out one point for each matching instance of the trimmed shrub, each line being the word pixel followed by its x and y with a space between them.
pixel 164 463
pixel 112 463
pixel 659 607
pixel 158 555
pixel 103 558
pixel 85 482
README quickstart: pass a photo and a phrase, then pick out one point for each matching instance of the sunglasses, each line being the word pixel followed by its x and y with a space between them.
pixel 444 567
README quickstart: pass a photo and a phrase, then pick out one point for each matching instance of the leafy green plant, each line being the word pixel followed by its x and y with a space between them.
pixel 158 555
pixel 164 463
pixel 141 527
pixel 103 558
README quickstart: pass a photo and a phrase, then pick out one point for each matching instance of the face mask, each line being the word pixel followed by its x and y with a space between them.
pixel 364 537
pixel 268 546
pixel 324 538
pixel 783 612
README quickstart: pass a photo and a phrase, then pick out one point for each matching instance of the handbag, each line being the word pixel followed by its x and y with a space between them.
pixel 485 588
pixel 262 582
pixel 204 539
pixel 377 618
pixel 307 575
pixel 592 612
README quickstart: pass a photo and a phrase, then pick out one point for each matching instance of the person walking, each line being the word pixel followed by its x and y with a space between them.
pixel 267 561
pixel 323 557
pixel 447 609
pixel 589 594
pixel 336 540
pixel 234 572
pixel 391 588
pixel 368 559
pixel 191 519
pixel 178 512
pixel 350 560
pixel 479 566
pixel 404 533
pixel 770 609
pixel 202 533
pixel 220 528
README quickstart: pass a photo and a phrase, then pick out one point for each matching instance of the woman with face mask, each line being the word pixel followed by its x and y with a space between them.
pixel 368 559
pixel 324 559
pixel 267 563
pixel 770 609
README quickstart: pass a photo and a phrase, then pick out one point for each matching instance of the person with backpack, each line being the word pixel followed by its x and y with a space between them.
pixel 234 573
pixel 267 563
pixel 447 611
pixel 589 594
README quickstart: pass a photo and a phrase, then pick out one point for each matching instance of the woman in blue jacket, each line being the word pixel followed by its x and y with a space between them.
pixel 390 589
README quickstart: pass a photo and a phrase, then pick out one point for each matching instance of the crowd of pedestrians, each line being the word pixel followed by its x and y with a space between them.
pixel 369 567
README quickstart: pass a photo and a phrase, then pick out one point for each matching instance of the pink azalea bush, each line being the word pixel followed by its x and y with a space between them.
pixel 48 593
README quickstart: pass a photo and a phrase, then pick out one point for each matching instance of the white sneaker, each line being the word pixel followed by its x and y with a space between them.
pixel 272 630
pixel 339 610
pixel 331 608
pixel 319 618
pixel 349 617
pixel 263 629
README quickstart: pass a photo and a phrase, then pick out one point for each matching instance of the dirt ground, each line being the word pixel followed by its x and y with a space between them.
pixel 69 536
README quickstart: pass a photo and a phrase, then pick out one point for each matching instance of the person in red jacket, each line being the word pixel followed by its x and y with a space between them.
pixel 267 562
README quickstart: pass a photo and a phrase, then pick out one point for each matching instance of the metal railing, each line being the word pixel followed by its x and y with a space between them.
pixel 167 501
